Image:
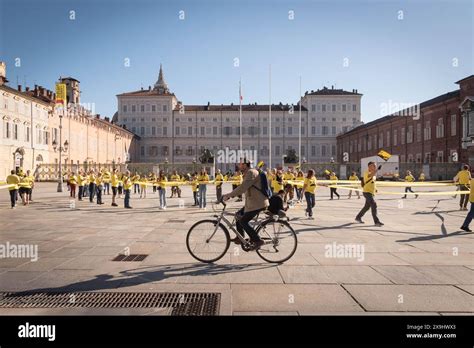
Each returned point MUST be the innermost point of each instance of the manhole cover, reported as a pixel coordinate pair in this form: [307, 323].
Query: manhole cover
[196, 303]
[132, 257]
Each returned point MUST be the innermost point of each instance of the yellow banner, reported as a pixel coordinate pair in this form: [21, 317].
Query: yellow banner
[61, 96]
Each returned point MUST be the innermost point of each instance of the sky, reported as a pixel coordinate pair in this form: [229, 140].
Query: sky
[390, 51]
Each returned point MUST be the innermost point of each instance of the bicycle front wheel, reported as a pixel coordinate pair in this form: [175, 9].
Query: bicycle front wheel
[280, 241]
[207, 241]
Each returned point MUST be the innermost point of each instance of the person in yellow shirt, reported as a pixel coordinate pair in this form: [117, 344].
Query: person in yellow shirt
[203, 179]
[175, 190]
[162, 180]
[194, 188]
[136, 183]
[277, 182]
[470, 215]
[299, 189]
[289, 189]
[219, 179]
[143, 183]
[463, 178]
[368, 188]
[333, 190]
[354, 177]
[422, 177]
[72, 184]
[309, 190]
[106, 176]
[237, 179]
[31, 179]
[409, 178]
[80, 184]
[127, 186]
[13, 180]
[92, 185]
[152, 178]
[24, 188]
[99, 184]
[114, 181]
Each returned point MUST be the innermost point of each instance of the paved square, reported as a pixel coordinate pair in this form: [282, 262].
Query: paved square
[418, 262]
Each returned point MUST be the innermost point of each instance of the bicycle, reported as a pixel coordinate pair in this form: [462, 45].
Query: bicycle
[208, 240]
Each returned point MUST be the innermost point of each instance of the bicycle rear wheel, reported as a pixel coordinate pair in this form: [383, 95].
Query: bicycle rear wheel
[207, 241]
[280, 241]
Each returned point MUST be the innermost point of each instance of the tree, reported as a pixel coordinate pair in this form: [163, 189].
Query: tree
[290, 156]
[206, 157]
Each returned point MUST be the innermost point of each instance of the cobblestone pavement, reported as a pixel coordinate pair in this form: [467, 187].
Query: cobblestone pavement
[419, 262]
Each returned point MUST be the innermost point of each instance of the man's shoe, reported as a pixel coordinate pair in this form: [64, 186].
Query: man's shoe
[379, 224]
[465, 229]
[114, 205]
[128, 207]
[359, 221]
[256, 245]
[236, 240]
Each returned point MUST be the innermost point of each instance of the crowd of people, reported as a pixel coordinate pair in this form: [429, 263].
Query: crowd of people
[289, 187]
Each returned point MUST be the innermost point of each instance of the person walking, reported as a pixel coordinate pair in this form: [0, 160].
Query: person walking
[13, 180]
[203, 179]
[409, 178]
[92, 185]
[194, 188]
[354, 177]
[80, 185]
[333, 190]
[127, 186]
[309, 190]
[99, 184]
[114, 183]
[463, 177]
[368, 187]
[299, 189]
[218, 181]
[162, 180]
[470, 215]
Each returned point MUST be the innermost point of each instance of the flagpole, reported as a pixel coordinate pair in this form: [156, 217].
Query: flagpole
[240, 112]
[270, 116]
[299, 133]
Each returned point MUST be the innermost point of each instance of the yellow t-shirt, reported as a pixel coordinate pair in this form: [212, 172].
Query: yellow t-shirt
[464, 177]
[24, 182]
[175, 177]
[422, 177]
[106, 176]
[333, 177]
[354, 178]
[194, 185]
[219, 180]
[143, 182]
[114, 180]
[203, 179]
[471, 193]
[127, 182]
[99, 180]
[73, 180]
[91, 178]
[238, 178]
[276, 185]
[369, 184]
[310, 185]
[136, 179]
[162, 182]
[410, 178]
[80, 180]
[14, 180]
[288, 176]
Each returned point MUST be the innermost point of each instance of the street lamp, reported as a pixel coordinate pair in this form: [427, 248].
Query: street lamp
[166, 165]
[62, 148]
[194, 165]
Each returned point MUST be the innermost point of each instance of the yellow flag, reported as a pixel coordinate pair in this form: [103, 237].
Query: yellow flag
[384, 155]
[260, 164]
[327, 172]
[61, 93]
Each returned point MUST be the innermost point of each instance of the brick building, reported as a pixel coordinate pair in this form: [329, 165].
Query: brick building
[430, 132]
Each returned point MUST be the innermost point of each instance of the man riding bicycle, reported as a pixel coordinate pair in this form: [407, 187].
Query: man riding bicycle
[255, 202]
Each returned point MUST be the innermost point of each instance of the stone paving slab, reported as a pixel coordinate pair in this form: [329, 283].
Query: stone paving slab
[419, 298]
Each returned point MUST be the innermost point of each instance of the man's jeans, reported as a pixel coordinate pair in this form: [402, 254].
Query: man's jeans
[369, 204]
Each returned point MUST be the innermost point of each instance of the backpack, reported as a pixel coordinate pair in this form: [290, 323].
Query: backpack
[265, 190]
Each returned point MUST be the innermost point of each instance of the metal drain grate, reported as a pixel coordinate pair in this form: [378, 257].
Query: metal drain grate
[132, 257]
[200, 303]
